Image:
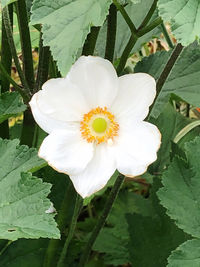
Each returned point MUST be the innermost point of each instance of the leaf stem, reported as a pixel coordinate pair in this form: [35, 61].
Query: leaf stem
[149, 27]
[15, 85]
[6, 59]
[186, 130]
[100, 223]
[126, 17]
[132, 41]
[89, 46]
[25, 39]
[111, 33]
[8, 29]
[72, 227]
[43, 65]
[166, 34]
[149, 15]
[166, 71]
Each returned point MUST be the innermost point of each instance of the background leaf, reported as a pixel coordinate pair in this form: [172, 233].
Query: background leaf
[186, 255]
[10, 104]
[184, 17]
[180, 194]
[66, 25]
[183, 80]
[23, 198]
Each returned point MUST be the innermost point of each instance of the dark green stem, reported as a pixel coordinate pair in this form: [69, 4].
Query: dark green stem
[43, 65]
[27, 135]
[100, 223]
[8, 29]
[167, 37]
[149, 27]
[89, 46]
[149, 15]
[167, 69]
[132, 41]
[25, 42]
[111, 33]
[72, 228]
[126, 17]
[6, 61]
[15, 85]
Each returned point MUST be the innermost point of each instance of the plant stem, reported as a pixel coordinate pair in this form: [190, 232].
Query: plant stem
[132, 41]
[72, 227]
[109, 203]
[15, 85]
[166, 34]
[43, 65]
[89, 46]
[166, 71]
[111, 33]
[6, 60]
[186, 130]
[150, 27]
[8, 29]
[5, 247]
[149, 15]
[126, 17]
[25, 39]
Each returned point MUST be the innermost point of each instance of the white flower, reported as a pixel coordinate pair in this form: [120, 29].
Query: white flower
[95, 123]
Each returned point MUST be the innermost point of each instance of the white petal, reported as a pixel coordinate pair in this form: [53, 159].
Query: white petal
[66, 151]
[136, 93]
[61, 100]
[136, 148]
[97, 173]
[47, 123]
[97, 79]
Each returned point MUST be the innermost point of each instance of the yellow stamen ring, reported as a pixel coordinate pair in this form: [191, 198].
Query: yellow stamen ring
[99, 126]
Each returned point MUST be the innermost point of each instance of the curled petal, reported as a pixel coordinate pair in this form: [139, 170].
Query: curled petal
[97, 173]
[97, 79]
[65, 151]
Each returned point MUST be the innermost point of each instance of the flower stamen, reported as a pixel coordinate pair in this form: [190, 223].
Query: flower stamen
[99, 126]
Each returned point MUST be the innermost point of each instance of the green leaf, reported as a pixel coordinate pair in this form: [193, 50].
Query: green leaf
[180, 194]
[184, 17]
[66, 24]
[116, 235]
[6, 2]
[137, 12]
[23, 252]
[186, 255]
[23, 198]
[152, 238]
[183, 80]
[10, 104]
[170, 123]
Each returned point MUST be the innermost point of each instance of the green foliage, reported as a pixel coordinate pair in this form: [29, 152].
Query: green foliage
[183, 80]
[10, 104]
[184, 17]
[137, 12]
[186, 255]
[180, 194]
[152, 238]
[23, 198]
[62, 20]
[170, 123]
[6, 2]
[23, 252]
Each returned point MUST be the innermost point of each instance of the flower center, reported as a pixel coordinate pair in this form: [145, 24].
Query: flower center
[99, 126]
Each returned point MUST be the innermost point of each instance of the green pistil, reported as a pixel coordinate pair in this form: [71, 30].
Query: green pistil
[99, 125]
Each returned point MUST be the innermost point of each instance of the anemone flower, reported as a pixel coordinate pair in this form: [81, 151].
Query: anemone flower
[95, 122]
